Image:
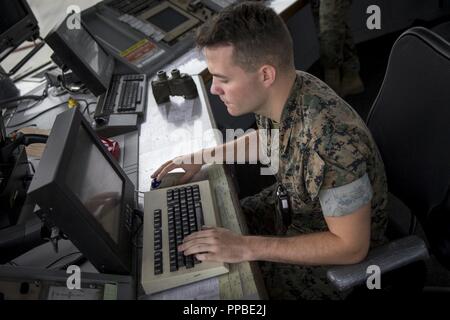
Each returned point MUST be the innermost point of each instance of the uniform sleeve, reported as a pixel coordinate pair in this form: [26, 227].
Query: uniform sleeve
[336, 170]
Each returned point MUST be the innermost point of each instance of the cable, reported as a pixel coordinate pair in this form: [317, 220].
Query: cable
[41, 113]
[60, 93]
[31, 97]
[27, 108]
[37, 115]
[28, 97]
[87, 108]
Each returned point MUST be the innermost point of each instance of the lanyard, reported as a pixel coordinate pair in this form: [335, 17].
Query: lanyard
[283, 205]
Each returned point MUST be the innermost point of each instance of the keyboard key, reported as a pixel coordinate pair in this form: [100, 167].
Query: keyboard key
[189, 262]
[158, 262]
[199, 214]
[180, 260]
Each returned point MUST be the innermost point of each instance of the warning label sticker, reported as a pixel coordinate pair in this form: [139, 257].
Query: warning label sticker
[140, 52]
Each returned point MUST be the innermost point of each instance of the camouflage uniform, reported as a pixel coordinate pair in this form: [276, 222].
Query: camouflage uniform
[323, 144]
[337, 49]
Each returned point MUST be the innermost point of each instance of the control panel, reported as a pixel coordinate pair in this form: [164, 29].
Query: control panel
[145, 35]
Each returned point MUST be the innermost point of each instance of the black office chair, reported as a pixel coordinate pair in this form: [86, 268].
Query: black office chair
[410, 122]
[443, 30]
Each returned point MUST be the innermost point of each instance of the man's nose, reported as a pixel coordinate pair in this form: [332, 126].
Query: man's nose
[216, 90]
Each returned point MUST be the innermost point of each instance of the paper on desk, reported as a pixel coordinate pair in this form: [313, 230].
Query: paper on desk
[207, 289]
[180, 109]
[63, 293]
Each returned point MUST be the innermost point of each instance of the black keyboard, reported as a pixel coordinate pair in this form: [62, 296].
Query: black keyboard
[185, 215]
[132, 7]
[126, 94]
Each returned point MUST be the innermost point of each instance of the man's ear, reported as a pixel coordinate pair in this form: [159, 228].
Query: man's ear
[268, 75]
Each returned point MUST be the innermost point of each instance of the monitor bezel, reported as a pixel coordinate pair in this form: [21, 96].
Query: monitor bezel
[25, 29]
[63, 50]
[62, 206]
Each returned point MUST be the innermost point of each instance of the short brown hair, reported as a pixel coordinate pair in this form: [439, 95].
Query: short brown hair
[259, 36]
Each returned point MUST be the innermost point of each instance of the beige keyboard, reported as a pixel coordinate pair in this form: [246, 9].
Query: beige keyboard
[170, 214]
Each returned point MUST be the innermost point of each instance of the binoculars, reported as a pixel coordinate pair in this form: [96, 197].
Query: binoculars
[179, 84]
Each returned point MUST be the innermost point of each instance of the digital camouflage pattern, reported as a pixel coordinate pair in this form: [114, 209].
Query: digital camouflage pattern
[323, 144]
[337, 48]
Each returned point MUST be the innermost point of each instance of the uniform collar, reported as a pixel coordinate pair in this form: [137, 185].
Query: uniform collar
[291, 105]
[289, 115]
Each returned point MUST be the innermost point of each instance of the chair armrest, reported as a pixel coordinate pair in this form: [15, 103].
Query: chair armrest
[390, 256]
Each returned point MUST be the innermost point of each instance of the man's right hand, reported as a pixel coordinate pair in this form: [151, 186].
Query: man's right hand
[185, 162]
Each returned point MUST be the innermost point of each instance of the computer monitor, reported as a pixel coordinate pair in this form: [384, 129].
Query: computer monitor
[82, 190]
[76, 48]
[17, 24]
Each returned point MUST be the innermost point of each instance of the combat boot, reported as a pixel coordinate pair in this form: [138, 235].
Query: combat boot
[351, 83]
[332, 77]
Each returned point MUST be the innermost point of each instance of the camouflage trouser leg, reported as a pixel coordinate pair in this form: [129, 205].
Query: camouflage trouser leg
[337, 49]
[284, 281]
[294, 282]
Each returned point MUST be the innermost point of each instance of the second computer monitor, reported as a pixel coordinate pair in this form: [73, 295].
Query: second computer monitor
[17, 24]
[76, 48]
[83, 191]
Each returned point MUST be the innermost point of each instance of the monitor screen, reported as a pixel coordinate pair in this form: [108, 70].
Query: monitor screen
[167, 19]
[79, 50]
[99, 187]
[82, 190]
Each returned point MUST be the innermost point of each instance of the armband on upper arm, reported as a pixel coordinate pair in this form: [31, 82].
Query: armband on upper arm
[346, 199]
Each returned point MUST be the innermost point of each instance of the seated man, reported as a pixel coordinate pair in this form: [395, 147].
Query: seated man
[331, 182]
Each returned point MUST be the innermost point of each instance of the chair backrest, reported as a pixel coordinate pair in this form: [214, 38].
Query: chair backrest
[410, 122]
[443, 30]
